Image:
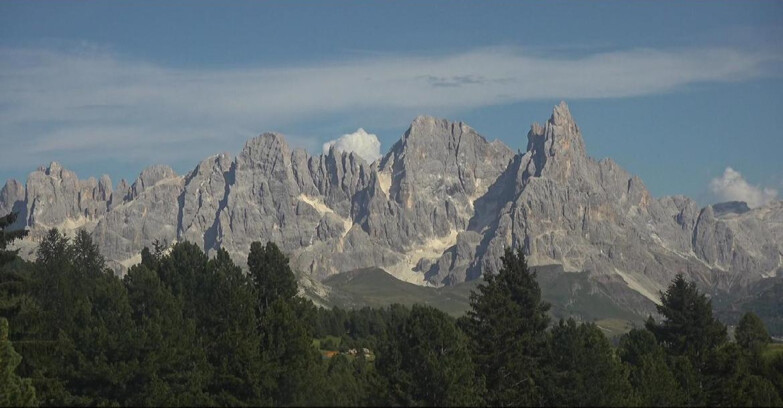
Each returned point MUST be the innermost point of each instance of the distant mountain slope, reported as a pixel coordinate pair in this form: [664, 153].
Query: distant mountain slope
[375, 287]
[439, 208]
[764, 298]
[571, 294]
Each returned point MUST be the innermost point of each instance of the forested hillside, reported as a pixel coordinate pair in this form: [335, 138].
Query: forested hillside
[183, 329]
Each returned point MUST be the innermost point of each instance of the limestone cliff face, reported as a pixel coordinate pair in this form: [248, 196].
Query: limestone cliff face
[439, 208]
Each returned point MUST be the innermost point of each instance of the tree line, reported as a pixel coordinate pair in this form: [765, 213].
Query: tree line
[181, 328]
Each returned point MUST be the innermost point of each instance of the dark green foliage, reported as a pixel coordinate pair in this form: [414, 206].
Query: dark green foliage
[172, 366]
[14, 391]
[507, 327]
[181, 329]
[227, 325]
[709, 370]
[291, 364]
[6, 237]
[270, 273]
[585, 369]
[349, 383]
[731, 381]
[183, 271]
[774, 372]
[689, 328]
[651, 378]
[426, 361]
[751, 333]
[89, 308]
[11, 281]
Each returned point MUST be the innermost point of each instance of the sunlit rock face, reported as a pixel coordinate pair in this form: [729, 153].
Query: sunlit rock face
[438, 209]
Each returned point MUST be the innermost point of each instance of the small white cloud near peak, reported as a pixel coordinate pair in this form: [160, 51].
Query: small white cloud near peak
[731, 186]
[360, 142]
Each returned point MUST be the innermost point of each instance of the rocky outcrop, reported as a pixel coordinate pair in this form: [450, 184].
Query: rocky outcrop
[55, 198]
[149, 214]
[438, 209]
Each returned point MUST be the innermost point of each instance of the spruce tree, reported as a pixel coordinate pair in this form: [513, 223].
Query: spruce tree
[732, 378]
[14, 391]
[584, 368]
[688, 327]
[507, 326]
[172, 368]
[227, 326]
[690, 335]
[12, 281]
[291, 371]
[7, 236]
[270, 273]
[653, 382]
[426, 362]
[751, 334]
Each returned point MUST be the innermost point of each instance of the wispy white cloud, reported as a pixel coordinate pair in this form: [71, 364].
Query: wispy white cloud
[366, 145]
[731, 186]
[94, 102]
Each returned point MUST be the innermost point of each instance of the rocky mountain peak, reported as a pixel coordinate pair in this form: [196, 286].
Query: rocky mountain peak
[56, 170]
[429, 126]
[437, 158]
[151, 176]
[441, 206]
[265, 152]
[557, 148]
[53, 168]
[13, 192]
[561, 115]
[105, 187]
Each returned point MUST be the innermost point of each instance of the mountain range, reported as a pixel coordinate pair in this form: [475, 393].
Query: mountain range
[438, 209]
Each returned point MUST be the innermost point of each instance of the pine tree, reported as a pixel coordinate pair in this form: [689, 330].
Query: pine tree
[172, 365]
[11, 281]
[292, 370]
[690, 335]
[653, 382]
[426, 361]
[586, 371]
[270, 273]
[348, 382]
[6, 237]
[751, 334]
[730, 380]
[227, 325]
[689, 328]
[14, 391]
[507, 326]
[182, 270]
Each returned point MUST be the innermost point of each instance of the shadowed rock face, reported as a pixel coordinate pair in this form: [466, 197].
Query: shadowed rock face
[438, 208]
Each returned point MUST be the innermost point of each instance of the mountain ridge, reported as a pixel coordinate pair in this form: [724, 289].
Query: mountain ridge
[437, 209]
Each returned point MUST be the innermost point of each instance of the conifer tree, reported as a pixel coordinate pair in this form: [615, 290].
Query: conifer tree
[11, 281]
[7, 236]
[751, 334]
[653, 382]
[172, 365]
[688, 327]
[270, 273]
[291, 366]
[426, 361]
[507, 326]
[227, 325]
[690, 335]
[14, 391]
[584, 368]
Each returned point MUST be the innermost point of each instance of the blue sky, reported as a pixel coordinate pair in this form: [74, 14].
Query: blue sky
[674, 92]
